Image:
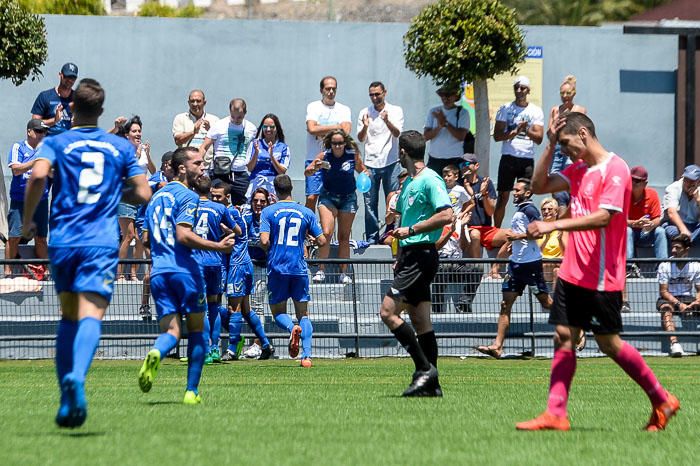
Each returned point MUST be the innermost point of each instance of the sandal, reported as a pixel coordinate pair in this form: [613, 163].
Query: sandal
[490, 351]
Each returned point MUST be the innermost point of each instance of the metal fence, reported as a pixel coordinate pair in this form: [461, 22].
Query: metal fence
[466, 305]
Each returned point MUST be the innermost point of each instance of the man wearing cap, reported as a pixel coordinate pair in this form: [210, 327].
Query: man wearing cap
[644, 217]
[481, 229]
[681, 205]
[445, 128]
[21, 160]
[519, 125]
[52, 106]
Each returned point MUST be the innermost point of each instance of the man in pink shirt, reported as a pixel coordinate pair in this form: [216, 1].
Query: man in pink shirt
[588, 294]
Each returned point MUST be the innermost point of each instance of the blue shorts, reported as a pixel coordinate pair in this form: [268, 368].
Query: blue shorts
[213, 279]
[239, 281]
[41, 218]
[178, 293]
[84, 270]
[522, 275]
[313, 182]
[339, 202]
[126, 211]
[282, 287]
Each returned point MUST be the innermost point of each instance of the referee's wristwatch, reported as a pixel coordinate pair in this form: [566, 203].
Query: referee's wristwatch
[411, 231]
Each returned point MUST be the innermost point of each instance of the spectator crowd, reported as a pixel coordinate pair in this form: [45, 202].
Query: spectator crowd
[242, 159]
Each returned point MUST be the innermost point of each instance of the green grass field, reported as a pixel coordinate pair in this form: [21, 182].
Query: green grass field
[345, 412]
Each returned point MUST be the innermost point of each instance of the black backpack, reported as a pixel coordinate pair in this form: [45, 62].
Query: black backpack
[469, 139]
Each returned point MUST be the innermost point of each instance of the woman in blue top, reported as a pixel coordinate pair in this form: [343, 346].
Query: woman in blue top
[268, 155]
[338, 198]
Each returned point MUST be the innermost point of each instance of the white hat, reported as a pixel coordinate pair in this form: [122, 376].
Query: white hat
[522, 80]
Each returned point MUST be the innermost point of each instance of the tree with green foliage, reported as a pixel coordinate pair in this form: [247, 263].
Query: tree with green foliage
[579, 12]
[453, 41]
[65, 7]
[23, 47]
[154, 8]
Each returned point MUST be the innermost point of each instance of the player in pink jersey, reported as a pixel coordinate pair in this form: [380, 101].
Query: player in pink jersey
[588, 294]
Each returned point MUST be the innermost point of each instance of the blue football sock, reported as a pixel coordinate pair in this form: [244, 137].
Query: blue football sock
[214, 317]
[254, 322]
[234, 330]
[284, 321]
[165, 344]
[224, 316]
[206, 331]
[64, 347]
[307, 331]
[84, 346]
[197, 350]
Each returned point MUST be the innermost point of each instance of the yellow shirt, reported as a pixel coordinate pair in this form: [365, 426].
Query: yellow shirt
[551, 249]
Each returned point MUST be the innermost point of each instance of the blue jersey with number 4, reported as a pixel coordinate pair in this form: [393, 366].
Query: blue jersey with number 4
[239, 253]
[90, 167]
[210, 216]
[174, 204]
[287, 223]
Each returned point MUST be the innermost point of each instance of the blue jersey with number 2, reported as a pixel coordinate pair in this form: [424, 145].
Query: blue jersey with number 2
[288, 222]
[174, 204]
[90, 167]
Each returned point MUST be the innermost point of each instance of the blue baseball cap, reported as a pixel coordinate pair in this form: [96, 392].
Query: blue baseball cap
[69, 70]
[692, 172]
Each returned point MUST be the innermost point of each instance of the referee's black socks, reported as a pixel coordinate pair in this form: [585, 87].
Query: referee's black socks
[428, 344]
[404, 333]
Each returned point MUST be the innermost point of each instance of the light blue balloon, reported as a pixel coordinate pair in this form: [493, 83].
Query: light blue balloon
[363, 183]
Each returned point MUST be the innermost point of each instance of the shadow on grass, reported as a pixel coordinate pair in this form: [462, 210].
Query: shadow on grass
[83, 434]
[162, 402]
[64, 433]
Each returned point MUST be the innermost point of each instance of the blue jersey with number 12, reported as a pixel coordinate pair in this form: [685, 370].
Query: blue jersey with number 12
[287, 223]
[174, 204]
[90, 167]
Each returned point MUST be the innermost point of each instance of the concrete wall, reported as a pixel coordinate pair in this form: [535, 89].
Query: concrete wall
[148, 65]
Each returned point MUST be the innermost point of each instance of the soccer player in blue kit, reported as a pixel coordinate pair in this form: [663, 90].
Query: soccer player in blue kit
[239, 286]
[283, 227]
[176, 280]
[90, 169]
[210, 216]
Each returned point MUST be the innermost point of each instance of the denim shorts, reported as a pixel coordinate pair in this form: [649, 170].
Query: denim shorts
[126, 211]
[340, 202]
[314, 182]
[41, 218]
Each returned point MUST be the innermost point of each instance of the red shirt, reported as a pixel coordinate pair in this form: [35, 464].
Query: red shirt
[649, 205]
[596, 259]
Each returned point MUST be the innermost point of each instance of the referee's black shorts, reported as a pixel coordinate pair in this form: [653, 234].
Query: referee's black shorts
[416, 267]
[575, 306]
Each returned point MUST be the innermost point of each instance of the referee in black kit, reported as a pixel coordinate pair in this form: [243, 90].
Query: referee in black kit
[425, 209]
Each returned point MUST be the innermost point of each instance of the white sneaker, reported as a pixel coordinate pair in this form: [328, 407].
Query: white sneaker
[345, 279]
[253, 352]
[676, 350]
[320, 277]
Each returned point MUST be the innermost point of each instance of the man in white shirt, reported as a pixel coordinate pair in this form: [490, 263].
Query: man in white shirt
[378, 127]
[446, 126]
[190, 128]
[679, 289]
[682, 206]
[519, 125]
[231, 137]
[322, 117]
